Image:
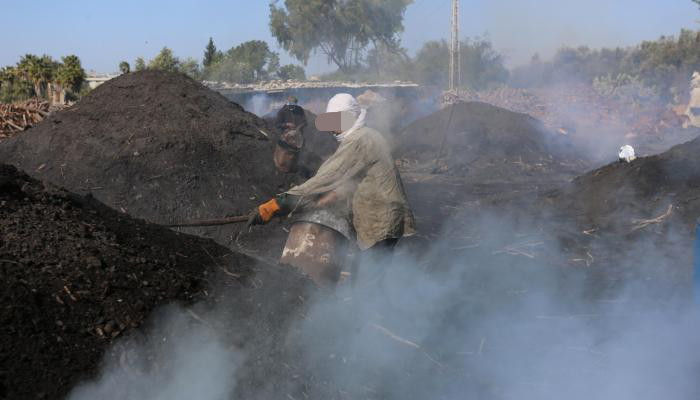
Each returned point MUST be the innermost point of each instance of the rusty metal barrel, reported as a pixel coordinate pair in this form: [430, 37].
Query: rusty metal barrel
[318, 246]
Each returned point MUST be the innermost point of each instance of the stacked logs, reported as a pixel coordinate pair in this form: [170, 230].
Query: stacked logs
[18, 117]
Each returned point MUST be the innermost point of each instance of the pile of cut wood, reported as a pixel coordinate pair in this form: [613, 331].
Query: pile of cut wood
[17, 117]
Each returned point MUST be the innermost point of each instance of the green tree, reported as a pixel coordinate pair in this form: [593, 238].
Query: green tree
[16, 84]
[291, 71]
[25, 64]
[139, 64]
[70, 73]
[341, 29]
[231, 70]
[8, 77]
[389, 62]
[210, 54]
[256, 55]
[481, 66]
[165, 60]
[124, 67]
[248, 62]
[190, 67]
[39, 70]
[431, 64]
[661, 66]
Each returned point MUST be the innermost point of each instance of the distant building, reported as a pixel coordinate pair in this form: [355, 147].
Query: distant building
[94, 79]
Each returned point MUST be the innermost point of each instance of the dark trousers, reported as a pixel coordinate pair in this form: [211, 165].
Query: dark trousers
[380, 253]
[373, 262]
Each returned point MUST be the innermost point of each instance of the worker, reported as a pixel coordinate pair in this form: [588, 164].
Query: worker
[290, 116]
[290, 122]
[359, 180]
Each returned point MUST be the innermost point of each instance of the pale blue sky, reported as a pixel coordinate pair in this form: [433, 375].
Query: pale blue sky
[104, 32]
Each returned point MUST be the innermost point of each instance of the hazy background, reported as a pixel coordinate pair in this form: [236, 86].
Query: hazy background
[103, 33]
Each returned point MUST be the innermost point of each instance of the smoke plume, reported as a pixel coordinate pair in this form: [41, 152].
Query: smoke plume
[181, 358]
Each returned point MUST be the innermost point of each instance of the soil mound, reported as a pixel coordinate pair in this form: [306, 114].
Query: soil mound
[622, 195]
[158, 146]
[76, 275]
[485, 142]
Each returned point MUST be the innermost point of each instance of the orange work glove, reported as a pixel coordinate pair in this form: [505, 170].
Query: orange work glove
[268, 210]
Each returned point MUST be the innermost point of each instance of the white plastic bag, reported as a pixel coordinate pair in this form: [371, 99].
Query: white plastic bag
[626, 153]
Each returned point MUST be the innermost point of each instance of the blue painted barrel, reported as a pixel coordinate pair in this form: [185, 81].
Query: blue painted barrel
[696, 272]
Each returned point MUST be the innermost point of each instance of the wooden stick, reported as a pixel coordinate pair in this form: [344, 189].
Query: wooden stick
[394, 336]
[211, 222]
[645, 222]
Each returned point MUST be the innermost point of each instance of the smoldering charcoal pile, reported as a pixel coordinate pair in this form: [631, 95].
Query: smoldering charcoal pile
[487, 142]
[76, 276]
[665, 185]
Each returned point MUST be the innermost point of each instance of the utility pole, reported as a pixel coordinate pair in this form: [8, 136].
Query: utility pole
[455, 64]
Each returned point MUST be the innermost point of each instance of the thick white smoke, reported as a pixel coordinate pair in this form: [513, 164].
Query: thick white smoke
[495, 310]
[492, 315]
[181, 358]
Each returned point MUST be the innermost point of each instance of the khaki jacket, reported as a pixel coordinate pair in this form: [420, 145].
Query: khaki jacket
[363, 174]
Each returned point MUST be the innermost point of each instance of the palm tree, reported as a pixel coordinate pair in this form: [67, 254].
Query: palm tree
[70, 74]
[46, 69]
[6, 76]
[25, 64]
[38, 70]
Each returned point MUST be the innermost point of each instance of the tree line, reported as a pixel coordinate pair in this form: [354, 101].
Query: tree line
[659, 67]
[35, 76]
[248, 62]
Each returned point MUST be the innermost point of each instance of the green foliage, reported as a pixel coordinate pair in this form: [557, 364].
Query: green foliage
[70, 74]
[662, 65]
[431, 65]
[13, 87]
[231, 70]
[165, 60]
[32, 76]
[210, 54]
[248, 62]
[625, 88]
[124, 67]
[481, 65]
[389, 62]
[38, 70]
[190, 67]
[139, 64]
[291, 71]
[84, 90]
[341, 29]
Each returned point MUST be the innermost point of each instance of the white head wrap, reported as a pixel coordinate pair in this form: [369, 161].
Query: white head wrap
[346, 102]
